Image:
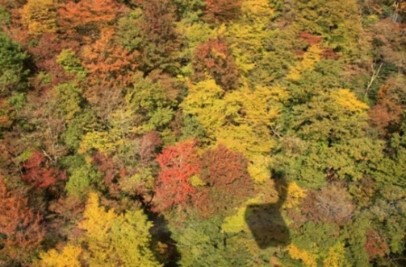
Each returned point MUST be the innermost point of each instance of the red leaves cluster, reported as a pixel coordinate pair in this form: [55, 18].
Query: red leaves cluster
[214, 58]
[36, 171]
[375, 245]
[312, 39]
[20, 226]
[178, 163]
[228, 183]
[222, 10]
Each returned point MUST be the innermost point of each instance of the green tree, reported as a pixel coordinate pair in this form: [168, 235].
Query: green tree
[13, 72]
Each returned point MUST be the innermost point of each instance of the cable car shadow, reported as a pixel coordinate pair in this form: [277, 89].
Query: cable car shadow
[266, 222]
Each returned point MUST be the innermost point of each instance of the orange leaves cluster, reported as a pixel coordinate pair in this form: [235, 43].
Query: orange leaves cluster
[109, 63]
[75, 13]
[20, 226]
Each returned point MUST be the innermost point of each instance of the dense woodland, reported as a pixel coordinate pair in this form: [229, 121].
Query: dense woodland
[202, 133]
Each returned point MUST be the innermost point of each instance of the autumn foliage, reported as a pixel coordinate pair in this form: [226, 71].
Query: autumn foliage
[37, 172]
[40, 16]
[149, 144]
[79, 13]
[159, 35]
[178, 164]
[222, 10]
[214, 58]
[20, 226]
[227, 183]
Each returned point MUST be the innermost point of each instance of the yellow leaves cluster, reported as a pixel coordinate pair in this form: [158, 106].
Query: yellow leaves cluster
[237, 222]
[260, 8]
[109, 239]
[248, 36]
[240, 119]
[294, 195]
[68, 257]
[204, 101]
[348, 101]
[310, 58]
[336, 256]
[308, 259]
[39, 16]
[103, 141]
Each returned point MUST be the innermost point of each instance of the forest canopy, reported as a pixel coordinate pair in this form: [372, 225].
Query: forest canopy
[202, 133]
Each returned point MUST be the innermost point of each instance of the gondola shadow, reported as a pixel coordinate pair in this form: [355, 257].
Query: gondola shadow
[266, 222]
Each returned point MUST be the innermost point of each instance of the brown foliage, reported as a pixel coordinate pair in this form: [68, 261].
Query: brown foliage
[20, 225]
[332, 204]
[45, 52]
[309, 38]
[214, 58]
[111, 170]
[149, 144]
[222, 10]
[227, 182]
[160, 39]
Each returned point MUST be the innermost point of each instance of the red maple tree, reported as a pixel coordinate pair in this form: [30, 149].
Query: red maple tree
[178, 164]
[228, 183]
[36, 171]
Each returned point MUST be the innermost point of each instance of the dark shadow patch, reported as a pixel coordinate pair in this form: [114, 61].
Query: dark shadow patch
[266, 222]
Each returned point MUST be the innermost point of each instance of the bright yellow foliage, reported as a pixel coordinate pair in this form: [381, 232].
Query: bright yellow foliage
[204, 101]
[248, 35]
[259, 8]
[102, 141]
[336, 256]
[109, 240]
[298, 254]
[116, 240]
[237, 222]
[240, 120]
[310, 58]
[294, 195]
[348, 101]
[68, 257]
[39, 16]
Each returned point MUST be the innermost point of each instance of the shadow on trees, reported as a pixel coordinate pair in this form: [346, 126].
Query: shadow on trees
[168, 254]
[266, 222]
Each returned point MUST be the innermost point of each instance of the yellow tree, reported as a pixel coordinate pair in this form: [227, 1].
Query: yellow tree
[39, 16]
[109, 239]
[241, 120]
